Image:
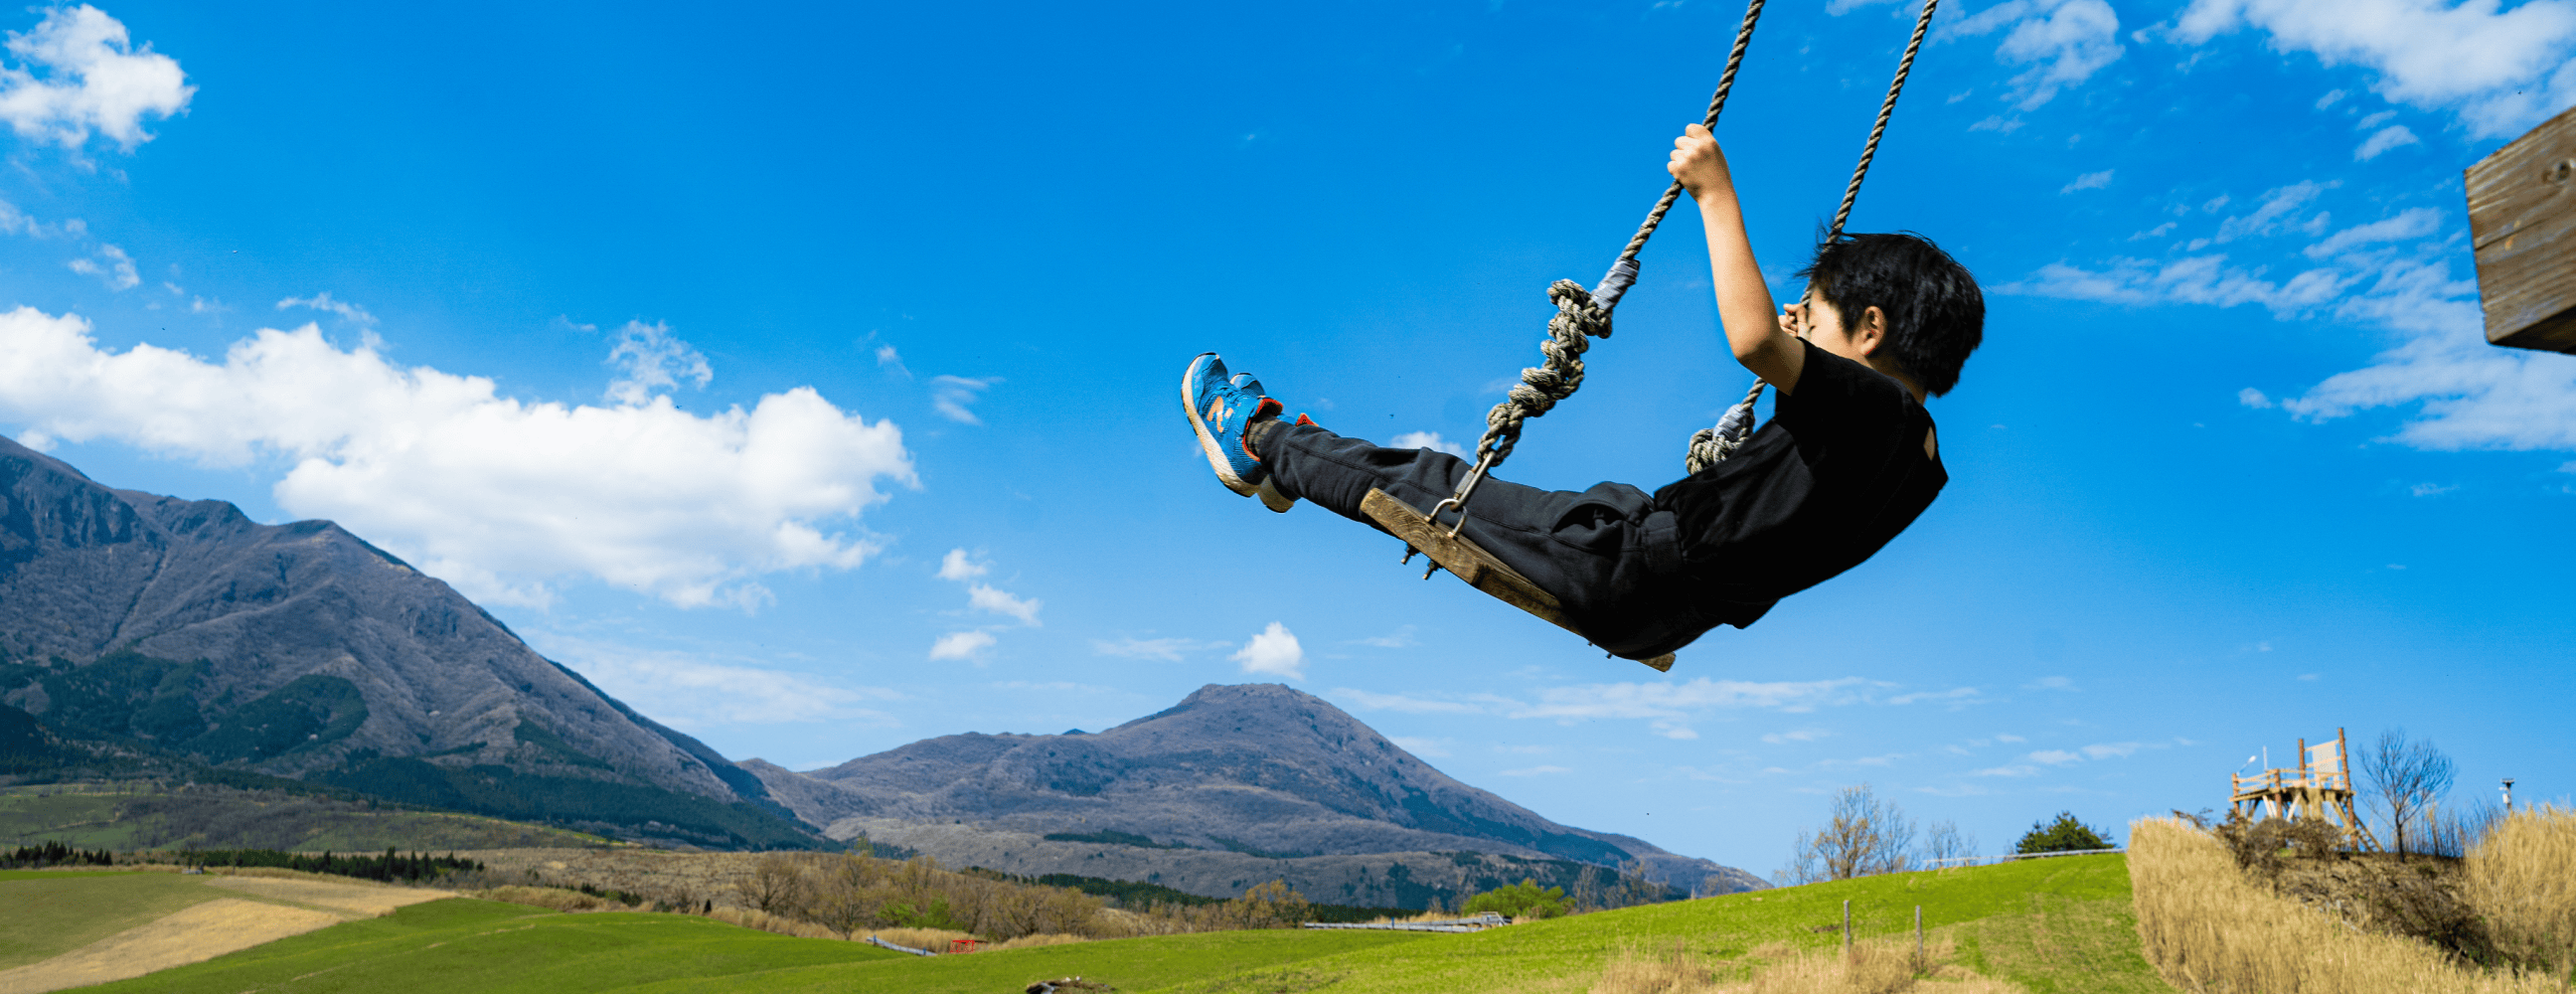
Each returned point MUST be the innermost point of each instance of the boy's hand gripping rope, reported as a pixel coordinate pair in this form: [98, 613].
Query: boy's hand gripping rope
[1582, 315]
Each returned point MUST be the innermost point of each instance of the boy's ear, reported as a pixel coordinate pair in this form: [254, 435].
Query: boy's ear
[1872, 332]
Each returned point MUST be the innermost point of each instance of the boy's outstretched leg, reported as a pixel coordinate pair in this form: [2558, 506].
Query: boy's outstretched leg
[1607, 554]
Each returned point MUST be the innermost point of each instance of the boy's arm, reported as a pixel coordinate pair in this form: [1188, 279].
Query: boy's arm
[1754, 325]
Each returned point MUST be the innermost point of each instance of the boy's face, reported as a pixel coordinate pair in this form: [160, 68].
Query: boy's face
[1818, 320]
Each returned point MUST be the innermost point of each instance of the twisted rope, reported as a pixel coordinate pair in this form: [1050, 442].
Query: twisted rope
[1584, 314]
[1710, 446]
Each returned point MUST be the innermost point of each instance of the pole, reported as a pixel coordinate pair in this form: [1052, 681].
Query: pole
[1847, 928]
[1918, 937]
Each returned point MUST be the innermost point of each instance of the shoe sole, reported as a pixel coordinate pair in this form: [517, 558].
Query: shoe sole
[1208, 444]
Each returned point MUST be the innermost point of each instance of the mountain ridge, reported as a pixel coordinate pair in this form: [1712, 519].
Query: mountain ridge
[157, 628]
[1259, 769]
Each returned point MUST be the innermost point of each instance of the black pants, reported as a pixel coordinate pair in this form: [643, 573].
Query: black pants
[1610, 557]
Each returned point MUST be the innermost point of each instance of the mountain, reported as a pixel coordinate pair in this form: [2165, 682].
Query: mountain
[153, 634]
[1260, 770]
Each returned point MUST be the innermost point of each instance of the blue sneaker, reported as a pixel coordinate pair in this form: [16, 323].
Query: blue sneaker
[1220, 408]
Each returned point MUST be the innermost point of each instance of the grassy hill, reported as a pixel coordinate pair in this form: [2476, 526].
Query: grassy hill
[138, 816]
[2058, 925]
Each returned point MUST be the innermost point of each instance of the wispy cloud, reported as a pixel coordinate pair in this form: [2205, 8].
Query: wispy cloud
[649, 359]
[1371, 701]
[689, 692]
[2064, 42]
[962, 645]
[323, 302]
[109, 265]
[2088, 181]
[2501, 70]
[952, 395]
[1167, 650]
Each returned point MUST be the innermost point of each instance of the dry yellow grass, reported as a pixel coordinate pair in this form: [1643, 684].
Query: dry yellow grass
[934, 939]
[2206, 928]
[2522, 879]
[1033, 941]
[357, 897]
[200, 932]
[1778, 968]
[766, 922]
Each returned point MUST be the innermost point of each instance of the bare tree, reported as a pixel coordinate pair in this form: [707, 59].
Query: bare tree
[1864, 836]
[2406, 779]
[1943, 841]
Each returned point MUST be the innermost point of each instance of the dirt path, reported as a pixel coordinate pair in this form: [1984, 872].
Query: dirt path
[201, 932]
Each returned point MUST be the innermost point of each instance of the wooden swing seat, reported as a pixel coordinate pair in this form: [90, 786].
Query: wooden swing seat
[1474, 565]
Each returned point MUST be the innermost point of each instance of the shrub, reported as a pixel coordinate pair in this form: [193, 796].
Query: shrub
[2066, 834]
[1521, 900]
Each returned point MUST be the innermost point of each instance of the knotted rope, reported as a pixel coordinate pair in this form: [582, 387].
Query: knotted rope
[1710, 446]
[1582, 315]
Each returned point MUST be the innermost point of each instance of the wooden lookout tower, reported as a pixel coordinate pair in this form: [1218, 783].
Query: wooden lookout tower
[2522, 226]
[2319, 787]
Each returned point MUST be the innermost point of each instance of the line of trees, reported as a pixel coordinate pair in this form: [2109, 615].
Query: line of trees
[1866, 835]
[389, 867]
[854, 893]
[54, 854]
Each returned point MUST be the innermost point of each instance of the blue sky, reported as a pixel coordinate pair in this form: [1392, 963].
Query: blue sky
[804, 376]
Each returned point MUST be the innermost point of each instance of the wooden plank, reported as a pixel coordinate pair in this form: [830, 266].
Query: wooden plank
[2522, 226]
[1474, 565]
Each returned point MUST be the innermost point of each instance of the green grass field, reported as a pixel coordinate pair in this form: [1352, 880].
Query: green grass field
[2051, 926]
[45, 913]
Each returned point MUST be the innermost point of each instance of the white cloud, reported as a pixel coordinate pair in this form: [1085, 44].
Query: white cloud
[2465, 393]
[495, 495]
[1167, 650]
[2050, 683]
[1273, 652]
[1399, 702]
[2054, 757]
[957, 566]
[2063, 41]
[2392, 136]
[2414, 223]
[985, 598]
[2113, 750]
[1670, 701]
[1955, 696]
[2278, 207]
[92, 79]
[1426, 440]
[1419, 747]
[322, 302]
[2503, 70]
[2431, 489]
[961, 645]
[1537, 771]
[2329, 99]
[888, 358]
[1401, 638]
[950, 395]
[1838, 8]
[689, 693]
[112, 267]
[2009, 738]
[2202, 279]
[2089, 181]
[2013, 770]
[1800, 735]
[2253, 398]
[652, 360]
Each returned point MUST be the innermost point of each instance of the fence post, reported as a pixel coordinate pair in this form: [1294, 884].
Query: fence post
[1918, 937]
[1847, 928]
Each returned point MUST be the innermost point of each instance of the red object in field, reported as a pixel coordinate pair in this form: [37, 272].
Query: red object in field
[956, 946]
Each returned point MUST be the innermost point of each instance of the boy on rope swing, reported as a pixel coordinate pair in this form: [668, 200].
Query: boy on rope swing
[1848, 460]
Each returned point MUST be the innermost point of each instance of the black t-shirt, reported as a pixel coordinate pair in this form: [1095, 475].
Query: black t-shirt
[1838, 471]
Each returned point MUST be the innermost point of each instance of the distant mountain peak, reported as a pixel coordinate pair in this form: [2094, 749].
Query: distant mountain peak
[1254, 768]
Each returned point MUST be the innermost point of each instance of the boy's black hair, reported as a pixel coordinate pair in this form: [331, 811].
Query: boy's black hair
[1935, 313]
